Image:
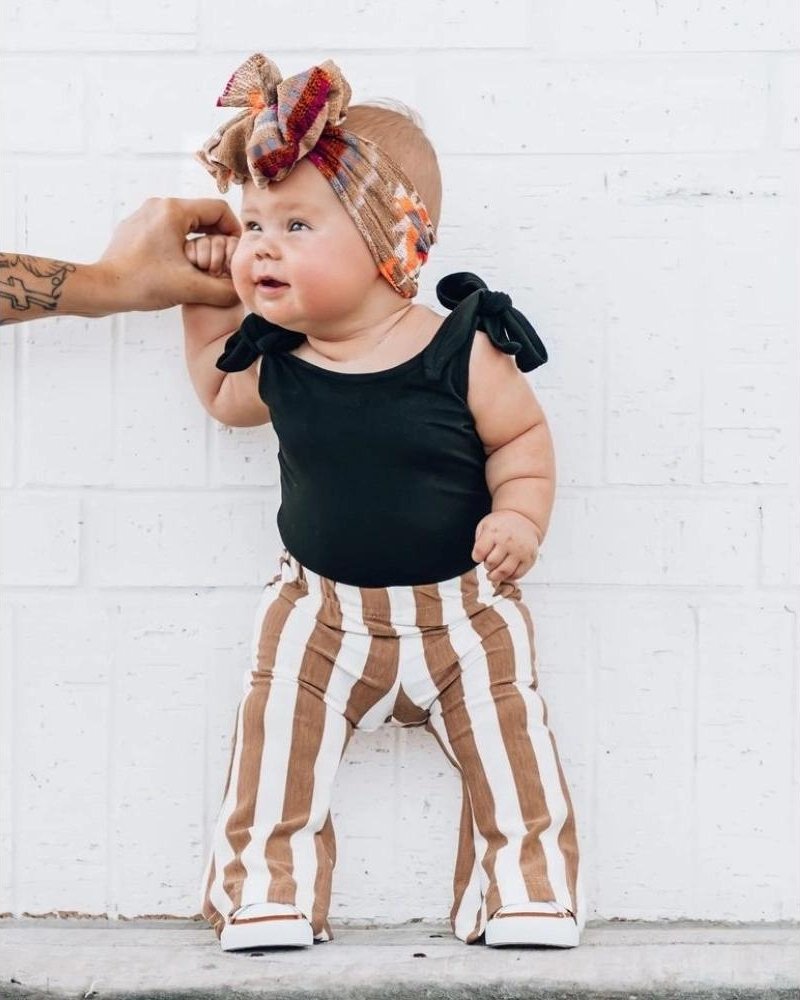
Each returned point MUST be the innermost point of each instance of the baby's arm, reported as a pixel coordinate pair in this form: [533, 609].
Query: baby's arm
[230, 397]
[520, 467]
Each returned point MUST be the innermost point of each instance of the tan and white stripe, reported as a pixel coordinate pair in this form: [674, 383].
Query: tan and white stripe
[517, 827]
[236, 821]
[330, 657]
[526, 825]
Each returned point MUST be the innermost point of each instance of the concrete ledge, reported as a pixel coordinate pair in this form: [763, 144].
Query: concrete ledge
[181, 960]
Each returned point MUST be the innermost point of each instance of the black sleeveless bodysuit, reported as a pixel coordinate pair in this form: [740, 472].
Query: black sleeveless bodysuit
[383, 473]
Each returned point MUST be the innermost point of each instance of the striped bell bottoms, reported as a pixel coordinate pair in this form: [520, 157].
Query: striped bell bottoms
[327, 658]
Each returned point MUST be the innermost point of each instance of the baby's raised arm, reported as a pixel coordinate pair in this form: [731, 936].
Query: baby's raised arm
[230, 397]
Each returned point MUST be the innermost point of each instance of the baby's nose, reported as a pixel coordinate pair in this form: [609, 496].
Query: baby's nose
[267, 250]
[265, 245]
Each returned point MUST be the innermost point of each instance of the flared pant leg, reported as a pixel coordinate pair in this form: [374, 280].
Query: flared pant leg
[517, 835]
[317, 675]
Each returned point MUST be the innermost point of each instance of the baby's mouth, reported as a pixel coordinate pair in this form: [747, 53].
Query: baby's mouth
[272, 283]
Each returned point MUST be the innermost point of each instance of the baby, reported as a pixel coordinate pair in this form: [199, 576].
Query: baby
[417, 480]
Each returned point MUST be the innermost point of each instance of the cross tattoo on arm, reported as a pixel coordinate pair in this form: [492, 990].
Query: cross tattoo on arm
[30, 284]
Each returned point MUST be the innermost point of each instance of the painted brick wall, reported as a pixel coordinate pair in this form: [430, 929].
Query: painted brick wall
[629, 173]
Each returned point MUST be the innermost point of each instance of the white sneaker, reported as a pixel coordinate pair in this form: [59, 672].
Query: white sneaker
[533, 923]
[266, 925]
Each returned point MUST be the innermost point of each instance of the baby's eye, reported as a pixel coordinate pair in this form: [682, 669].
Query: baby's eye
[252, 227]
[296, 222]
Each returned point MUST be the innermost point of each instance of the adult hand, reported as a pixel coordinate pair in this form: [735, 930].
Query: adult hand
[145, 266]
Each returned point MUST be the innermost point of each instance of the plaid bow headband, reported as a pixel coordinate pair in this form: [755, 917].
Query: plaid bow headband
[286, 120]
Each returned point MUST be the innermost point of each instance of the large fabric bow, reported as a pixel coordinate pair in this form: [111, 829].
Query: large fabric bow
[285, 121]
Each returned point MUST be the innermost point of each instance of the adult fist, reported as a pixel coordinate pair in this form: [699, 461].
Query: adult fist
[145, 267]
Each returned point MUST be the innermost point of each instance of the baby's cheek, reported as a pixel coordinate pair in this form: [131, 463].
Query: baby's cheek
[240, 275]
[315, 286]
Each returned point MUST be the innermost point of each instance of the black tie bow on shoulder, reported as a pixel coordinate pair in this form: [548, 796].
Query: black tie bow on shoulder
[256, 336]
[505, 326]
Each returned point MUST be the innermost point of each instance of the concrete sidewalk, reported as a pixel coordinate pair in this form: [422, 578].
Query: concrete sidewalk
[181, 959]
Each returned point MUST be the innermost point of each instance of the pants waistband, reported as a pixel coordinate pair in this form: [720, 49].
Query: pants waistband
[414, 606]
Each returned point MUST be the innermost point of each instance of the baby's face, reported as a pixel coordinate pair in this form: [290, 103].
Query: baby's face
[301, 261]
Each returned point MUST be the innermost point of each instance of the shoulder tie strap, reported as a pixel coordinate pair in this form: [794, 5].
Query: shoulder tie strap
[493, 312]
[256, 336]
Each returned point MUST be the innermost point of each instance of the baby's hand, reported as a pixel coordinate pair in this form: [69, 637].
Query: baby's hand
[212, 253]
[507, 543]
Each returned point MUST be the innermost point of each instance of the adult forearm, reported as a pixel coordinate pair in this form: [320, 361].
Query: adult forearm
[35, 287]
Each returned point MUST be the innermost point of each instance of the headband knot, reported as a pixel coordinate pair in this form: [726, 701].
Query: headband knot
[284, 121]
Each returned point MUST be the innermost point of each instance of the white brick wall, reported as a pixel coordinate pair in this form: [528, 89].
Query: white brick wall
[629, 173]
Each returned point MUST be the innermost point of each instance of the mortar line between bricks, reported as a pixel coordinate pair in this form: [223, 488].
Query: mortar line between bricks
[16, 776]
[717, 594]
[715, 591]
[751, 152]
[25, 157]
[117, 332]
[111, 909]
[605, 391]
[19, 388]
[772, 116]
[796, 744]
[695, 744]
[594, 762]
[668, 492]
[210, 453]
[12, 48]
[796, 656]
